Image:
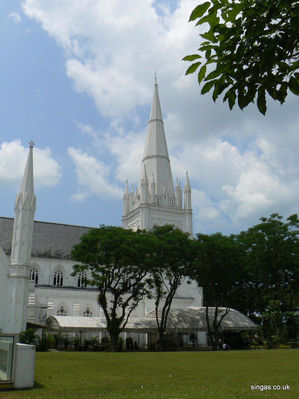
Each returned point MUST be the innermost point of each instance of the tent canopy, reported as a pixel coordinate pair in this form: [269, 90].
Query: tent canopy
[185, 320]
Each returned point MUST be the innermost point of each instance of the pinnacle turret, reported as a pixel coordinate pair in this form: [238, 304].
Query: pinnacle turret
[187, 193]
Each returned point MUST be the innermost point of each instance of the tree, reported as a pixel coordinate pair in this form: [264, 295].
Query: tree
[171, 263]
[118, 261]
[250, 49]
[218, 269]
[272, 249]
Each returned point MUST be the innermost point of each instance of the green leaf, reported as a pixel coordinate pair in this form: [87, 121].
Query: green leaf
[294, 85]
[231, 99]
[199, 11]
[272, 92]
[282, 92]
[192, 68]
[203, 20]
[261, 100]
[209, 36]
[213, 74]
[202, 73]
[191, 57]
[215, 92]
[207, 87]
[234, 11]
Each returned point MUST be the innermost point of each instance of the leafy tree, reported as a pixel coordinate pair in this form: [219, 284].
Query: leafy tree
[218, 268]
[172, 259]
[272, 249]
[29, 337]
[118, 261]
[273, 325]
[250, 49]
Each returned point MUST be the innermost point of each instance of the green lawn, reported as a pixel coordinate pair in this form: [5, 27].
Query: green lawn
[170, 375]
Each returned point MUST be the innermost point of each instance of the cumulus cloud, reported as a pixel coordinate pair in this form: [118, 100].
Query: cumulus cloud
[13, 156]
[93, 175]
[114, 47]
[241, 164]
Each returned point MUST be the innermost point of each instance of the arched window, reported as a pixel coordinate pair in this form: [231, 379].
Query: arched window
[34, 275]
[87, 312]
[82, 280]
[58, 278]
[61, 311]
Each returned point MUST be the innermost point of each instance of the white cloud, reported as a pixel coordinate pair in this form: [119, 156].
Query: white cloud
[13, 156]
[242, 165]
[15, 17]
[234, 188]
[80, 197]
[92, 175]
[113, 47]
[128, 151]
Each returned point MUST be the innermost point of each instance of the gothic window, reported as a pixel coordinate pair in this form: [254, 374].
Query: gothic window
[58, 278]
[87, 312]
[82, 280]
[61, 311]
[34, 275]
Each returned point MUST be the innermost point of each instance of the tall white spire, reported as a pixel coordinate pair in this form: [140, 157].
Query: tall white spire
[157, 203]
[156, 158]
[24, 216]
[21, 251]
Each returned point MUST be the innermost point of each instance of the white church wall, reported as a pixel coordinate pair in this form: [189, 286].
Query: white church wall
[4, 265]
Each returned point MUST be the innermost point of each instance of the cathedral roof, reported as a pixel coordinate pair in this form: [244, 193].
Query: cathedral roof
[50, 240]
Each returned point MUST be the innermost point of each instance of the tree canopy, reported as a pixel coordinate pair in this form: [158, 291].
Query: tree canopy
[171, 263]
[118, 262]
[218, 267]
[272, 250]
[249, 50]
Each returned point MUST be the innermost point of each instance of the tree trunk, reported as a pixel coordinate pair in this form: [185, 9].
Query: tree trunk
[114, 335]
[162, 339]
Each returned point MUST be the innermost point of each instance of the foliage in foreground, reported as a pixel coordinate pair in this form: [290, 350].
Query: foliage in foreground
[250, 49]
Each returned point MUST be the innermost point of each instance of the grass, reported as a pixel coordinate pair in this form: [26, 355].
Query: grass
[169, 375]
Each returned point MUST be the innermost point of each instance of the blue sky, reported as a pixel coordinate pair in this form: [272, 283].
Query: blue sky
[76, 76]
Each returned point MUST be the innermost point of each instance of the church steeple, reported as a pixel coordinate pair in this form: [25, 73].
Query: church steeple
[156, 158]
[21, 251]
[24, 216]
[157, 202]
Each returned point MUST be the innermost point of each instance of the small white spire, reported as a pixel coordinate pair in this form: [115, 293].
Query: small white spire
[27, 182]
[127, 188]
[187, 187]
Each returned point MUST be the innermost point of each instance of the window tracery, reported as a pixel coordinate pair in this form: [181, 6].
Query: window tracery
[58, 278]
[33, 274]
[87, 312]
[61, 311]
[82, 280]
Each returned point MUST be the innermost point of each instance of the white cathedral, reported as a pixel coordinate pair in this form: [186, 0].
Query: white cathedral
[41, 250]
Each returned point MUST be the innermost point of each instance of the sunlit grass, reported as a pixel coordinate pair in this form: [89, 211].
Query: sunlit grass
[171, 375]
